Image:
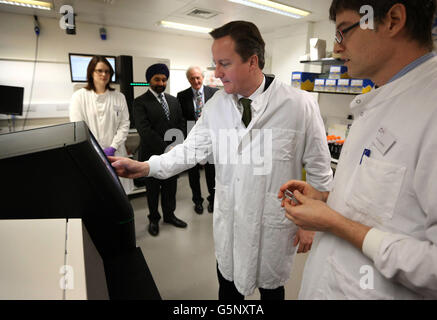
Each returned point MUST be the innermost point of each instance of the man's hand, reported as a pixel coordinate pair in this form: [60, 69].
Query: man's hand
[303, 188]
[304, 239]
[315, 215]
[310, 214]
[129, 168]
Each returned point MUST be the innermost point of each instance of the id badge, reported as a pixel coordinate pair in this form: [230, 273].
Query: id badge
[384, 140]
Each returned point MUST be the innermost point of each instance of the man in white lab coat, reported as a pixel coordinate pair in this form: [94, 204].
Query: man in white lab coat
[257, 143]
[380, 220]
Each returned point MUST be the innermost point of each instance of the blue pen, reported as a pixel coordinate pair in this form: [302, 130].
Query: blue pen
[366, 153]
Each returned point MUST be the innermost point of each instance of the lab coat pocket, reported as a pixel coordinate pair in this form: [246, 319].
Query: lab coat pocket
[375, 188]
[274, 214]
[221, 199]
[276, 244]
[283, 144]
[223, 224]
[118, 110]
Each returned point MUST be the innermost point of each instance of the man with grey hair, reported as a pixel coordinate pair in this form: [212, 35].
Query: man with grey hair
[192, 101]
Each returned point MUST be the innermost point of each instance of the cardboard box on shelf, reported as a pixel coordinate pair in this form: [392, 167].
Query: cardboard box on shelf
[338, 72]
[331, 85]
[319, 85]
[343, 85]
[317, 48]
[303, 80]
[361, 86]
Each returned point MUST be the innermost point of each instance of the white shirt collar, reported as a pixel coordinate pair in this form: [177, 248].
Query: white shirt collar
[257, 92]
[194, 91]
[155, 94]
[252, 97]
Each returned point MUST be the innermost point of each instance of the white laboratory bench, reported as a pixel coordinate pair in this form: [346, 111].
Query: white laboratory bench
[49, 259]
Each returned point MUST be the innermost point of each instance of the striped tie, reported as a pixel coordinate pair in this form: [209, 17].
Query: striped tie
[164, 106]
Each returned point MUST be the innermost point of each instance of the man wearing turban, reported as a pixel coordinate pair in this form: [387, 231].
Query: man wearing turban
[155, 114]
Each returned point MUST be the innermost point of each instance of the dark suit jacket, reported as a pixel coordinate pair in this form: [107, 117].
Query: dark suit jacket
[152, 124]
[186, 100]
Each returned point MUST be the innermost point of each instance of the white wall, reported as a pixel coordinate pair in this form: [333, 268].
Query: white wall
[52, 84]
[19, 42]
[285, 46]
[54, 89]
[325, 30]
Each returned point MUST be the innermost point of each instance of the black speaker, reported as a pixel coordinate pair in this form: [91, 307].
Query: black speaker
[124, 75]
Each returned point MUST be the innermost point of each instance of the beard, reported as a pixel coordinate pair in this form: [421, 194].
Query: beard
[158, 89]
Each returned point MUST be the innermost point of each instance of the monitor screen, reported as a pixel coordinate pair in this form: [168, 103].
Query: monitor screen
[11, 101]
[79, 64]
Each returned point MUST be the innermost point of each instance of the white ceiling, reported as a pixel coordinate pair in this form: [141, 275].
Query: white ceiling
[144, 14]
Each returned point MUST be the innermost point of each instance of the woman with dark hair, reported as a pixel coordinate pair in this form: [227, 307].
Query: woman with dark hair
[104, 110]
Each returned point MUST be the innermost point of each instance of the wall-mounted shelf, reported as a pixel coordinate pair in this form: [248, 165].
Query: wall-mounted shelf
[323, 62]
[343, 93]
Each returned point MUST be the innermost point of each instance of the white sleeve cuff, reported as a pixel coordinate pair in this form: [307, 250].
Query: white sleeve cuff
[154, 166]
[372, 242]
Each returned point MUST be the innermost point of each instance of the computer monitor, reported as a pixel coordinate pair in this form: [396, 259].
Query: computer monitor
[79, 64]
[11, 100]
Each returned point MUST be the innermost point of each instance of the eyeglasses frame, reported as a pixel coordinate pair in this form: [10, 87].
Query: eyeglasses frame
[100, 71]
[341, 33]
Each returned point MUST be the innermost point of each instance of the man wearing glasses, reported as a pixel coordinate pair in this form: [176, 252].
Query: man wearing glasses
[379, 223]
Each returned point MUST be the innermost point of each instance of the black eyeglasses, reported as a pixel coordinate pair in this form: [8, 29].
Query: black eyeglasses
[100, 71]
[339, 35]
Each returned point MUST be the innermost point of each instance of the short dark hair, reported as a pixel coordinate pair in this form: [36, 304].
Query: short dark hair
[90, 70]
[248, 40]
[420, 15]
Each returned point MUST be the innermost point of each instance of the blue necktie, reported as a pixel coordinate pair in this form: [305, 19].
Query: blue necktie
[164, 106]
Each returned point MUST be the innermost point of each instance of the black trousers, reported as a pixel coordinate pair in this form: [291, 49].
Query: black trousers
[194, 179]
[167, 188]
[228, 291]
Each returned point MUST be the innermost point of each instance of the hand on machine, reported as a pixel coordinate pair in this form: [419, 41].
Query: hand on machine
[128, 168]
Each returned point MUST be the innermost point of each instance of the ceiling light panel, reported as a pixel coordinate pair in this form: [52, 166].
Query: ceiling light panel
[274, 7]
[185, 27]
[29, 4]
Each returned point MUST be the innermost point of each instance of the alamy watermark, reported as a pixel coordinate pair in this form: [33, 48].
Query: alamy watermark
[368, 18]
[67, 19]
[67, 280]
[229, 147]
[367, 281]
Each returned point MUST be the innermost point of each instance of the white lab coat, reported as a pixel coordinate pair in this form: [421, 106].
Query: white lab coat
[395, 192]
[107, 116]
[253, 238]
